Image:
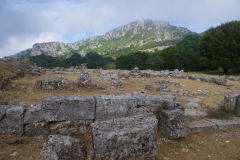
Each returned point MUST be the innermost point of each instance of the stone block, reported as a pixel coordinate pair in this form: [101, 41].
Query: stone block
[33, 114]
[151, 103]
[11, 120]
[237, 105]
[226, 124]
[63, 108]
[76, 127]
[58, 147]
[132, 137]
[112, 107]
[230, 100]
[201, 126]
[173, 123]
[33, 129]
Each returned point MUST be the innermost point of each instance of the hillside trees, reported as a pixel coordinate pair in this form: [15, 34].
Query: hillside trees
[167, 56]
[220, 47]
[186, 54]
[129, 61]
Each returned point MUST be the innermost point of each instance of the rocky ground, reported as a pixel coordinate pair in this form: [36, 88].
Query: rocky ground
[220, 144]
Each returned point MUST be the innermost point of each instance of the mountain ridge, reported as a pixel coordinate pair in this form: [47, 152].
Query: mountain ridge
[137, 35]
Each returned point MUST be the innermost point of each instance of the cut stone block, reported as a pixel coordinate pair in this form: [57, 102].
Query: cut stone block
[12, 120]
[33, 129]
[173, 123]
[132, 137]
[237, 105]
[112, 107]
[58, 147]
[62, 108]
[226, 124]
[150, 102]
[33, 114]
[3, 111]
[201, 126]
[230, 100]
[76, 127]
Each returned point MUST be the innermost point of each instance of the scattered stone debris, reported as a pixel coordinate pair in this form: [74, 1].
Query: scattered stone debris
[83, 80]
[53, 83]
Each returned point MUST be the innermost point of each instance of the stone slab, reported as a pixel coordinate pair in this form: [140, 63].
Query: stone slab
[226, 124]
[201, 126]
[132, 137]
[67, 108]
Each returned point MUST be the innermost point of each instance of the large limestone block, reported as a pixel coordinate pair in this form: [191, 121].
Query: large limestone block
[126, 138]
[230, 100]
[33, 114]
[58, 147]
[112, 107]
[63, 108]
[11, 119]
[173, 123]
[33, 129]
[76, 127]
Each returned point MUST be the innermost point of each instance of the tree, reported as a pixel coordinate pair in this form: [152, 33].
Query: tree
[187, 53]
[94, 56]
[129, 61]
[220, 47]
[91, 65]
[168, 55]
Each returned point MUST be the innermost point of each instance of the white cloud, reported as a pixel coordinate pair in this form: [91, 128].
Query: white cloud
[26, 22]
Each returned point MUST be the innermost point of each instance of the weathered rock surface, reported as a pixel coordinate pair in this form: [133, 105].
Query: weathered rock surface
[84, 80]
[115, 81]
[58, 147]
[201, 126]
[76, 127]
[151, 103]
[11, 120]
[173, 123]
[53, 83]
[230, 100]
[126, 138]
[150, 87]
[237, 105]
[33, 114]
[226, 124]
[33, 129]
[63, 108]
[112, 107]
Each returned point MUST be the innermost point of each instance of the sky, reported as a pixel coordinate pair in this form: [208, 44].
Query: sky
[26, 22]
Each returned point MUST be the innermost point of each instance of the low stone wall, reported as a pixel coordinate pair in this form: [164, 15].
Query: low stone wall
[121, 126]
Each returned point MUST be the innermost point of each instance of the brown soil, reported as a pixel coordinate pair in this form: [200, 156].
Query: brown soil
[208, 145]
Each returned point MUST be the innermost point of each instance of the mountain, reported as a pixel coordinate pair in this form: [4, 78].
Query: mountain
[138, 35]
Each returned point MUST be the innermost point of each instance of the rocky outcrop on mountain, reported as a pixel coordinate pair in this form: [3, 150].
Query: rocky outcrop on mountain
[131, 36]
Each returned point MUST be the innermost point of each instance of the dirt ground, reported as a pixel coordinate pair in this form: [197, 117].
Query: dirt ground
[218, 145]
